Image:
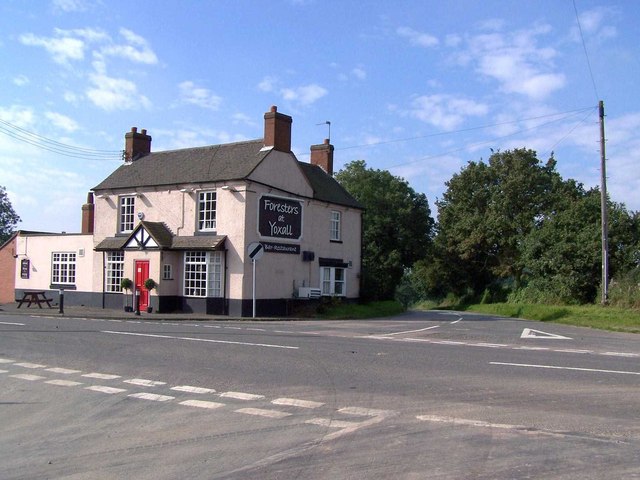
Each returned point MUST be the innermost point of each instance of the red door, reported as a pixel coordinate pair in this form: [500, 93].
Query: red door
[142, 273]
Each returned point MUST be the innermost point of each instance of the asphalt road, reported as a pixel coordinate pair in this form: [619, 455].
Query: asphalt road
[425, 395]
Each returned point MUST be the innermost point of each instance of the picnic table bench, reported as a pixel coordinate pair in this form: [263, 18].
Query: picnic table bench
[38, 297]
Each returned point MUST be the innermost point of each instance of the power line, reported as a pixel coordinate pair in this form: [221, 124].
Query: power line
[586, 54]
[54, 146]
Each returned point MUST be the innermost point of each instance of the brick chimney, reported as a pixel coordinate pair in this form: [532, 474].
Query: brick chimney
[322, 156]
[88, 215]
[136, 144]
[277, 130]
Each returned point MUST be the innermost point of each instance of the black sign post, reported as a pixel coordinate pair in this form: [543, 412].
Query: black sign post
[255, 251]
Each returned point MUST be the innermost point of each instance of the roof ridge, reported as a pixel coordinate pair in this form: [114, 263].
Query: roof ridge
[210, 147]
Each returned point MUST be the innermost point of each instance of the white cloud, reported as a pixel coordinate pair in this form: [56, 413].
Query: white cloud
[17, 115]
[202, 97]
[62, 121]
[304, 95]
[20, 80]
[416, 38]
[268, 84]
[136, 49]
[62, 50]
[516, 61]
[446, 112]
[70, 5]
[110, 93]
[593, 24]
[359, 73]
[71, 97]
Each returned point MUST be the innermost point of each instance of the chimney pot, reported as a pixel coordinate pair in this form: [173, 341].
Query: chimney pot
[274, 109]
[134, 129]
[88, 215]
[144, 131]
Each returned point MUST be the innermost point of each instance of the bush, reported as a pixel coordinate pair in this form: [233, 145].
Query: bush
[624, 290]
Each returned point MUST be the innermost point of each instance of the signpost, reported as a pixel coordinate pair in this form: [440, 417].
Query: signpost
[255, 251]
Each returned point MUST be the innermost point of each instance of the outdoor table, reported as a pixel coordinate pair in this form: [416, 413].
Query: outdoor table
[35, 297]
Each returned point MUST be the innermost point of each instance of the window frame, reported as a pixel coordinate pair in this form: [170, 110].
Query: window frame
[335, 226]
[329, 280]
[206, 216]
[63, 268]
[203, 274]
[167, 271]
[126, 213]
[114, 271]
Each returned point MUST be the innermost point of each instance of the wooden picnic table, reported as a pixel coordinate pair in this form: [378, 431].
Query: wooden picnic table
[38, 297]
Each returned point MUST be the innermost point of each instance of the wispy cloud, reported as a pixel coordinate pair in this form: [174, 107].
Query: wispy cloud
[418, 39]
[305, 94]
[69, 5]
[202, 97]
[135, 49]
[446, 112]
[20, 80]
[109, 93]
[62, 121]
[62, 49]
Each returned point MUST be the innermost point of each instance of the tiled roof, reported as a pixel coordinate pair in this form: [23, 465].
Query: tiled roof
[218, 163]
[232, 161]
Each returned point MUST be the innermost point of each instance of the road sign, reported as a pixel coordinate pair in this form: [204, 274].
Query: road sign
[255, 250]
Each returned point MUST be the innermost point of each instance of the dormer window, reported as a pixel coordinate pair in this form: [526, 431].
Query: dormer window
[207, 211]
[127, 218]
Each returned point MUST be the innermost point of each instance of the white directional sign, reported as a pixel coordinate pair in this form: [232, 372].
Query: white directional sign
[530, 333]
[255, 250]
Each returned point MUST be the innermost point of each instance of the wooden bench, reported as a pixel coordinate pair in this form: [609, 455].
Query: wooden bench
[34, 297]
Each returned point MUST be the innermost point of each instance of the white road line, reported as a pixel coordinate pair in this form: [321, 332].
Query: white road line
[212, 326]
[488, 345]
[456, 321]
[4, 371]
[531, 348]
[101, 376]
[241, 396]
[293, 402]
[26, 376]
[202, 404]
[143, 382]
[365, 412]
[12, 323]
[64, 371]
[209, 340]
[466, 422]
[6, 360]
[555, 367]
[29, 365]
[151, 396]
[572, 350]
[263, 413]
[256, 329]
[620, 354]
[190, 389]
[63, 383]
[331, 423]
[410, 331]
[448, 342]
[115, 321]
[104, 389]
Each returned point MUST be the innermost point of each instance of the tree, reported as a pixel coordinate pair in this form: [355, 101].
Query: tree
[486, 213]
[397, 230]
[8, 217]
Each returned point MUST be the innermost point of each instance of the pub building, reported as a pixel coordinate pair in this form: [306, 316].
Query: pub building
[186, 218]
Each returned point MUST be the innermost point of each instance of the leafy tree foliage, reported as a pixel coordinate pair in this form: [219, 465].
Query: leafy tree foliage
[397, 229]
[486, 213]
[8, 217]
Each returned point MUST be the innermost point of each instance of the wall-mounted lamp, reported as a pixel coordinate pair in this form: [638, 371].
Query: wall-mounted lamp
[186, 190]
[101, 195]
[139, 194]
[229, 188]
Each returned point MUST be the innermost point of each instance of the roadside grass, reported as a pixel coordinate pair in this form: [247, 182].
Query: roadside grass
[349, 311]
[593, 316]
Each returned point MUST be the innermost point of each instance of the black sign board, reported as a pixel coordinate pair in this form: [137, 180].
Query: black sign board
[281, 248]
[280, 217]
[24, 268]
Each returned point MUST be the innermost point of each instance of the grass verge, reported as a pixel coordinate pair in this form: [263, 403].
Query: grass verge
[358, 311]
[593, 316]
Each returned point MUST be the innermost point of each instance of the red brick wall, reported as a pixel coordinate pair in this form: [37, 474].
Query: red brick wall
[8, 271]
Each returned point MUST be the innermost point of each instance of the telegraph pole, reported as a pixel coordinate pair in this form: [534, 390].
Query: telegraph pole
[604, 214]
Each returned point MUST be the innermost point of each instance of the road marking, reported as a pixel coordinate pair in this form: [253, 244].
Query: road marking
[26, 376]
[488, 345]
[4, 371]
[555, 367]
[263, 413]
[6, 360]
[531, 348]
[202, 404]
[29, 365]
[63, 383]
[621, 354]
[104, 389]
[456, 321]
[365, 412]
[64, 371]
[466, 422]
[190, 389]
[201, 340]
[115, 321]
[292, 402]
[572, 350]
[448, 342]
[255, 329]
[144, 383]
[530, 333]
[241, 396]
[151, 396]
[410, 331]
[12, 323]
[101, 376]
[331, 423]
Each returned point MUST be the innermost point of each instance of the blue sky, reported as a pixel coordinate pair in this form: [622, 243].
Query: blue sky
[416, 87]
